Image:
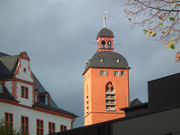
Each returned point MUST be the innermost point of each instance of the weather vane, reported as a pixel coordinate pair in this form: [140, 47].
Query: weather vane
[104, 18]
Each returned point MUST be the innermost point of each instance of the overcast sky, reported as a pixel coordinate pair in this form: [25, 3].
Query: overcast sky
[56, 34]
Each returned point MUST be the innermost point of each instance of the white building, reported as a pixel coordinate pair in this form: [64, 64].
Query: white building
[24, 103]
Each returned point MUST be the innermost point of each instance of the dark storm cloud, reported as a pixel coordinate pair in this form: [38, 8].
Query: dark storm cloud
[57, 34]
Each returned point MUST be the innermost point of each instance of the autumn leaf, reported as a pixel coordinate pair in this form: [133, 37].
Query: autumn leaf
[170, 45]
[161, 25]
[165, 43]
[160, 17]
[153, 34]
[145, 31]
[171, 18]
[147, 35]
[150, 31]
[129, 19]
[173, 46]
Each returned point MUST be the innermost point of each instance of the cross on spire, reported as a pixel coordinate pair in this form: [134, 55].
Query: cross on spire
[104, 19]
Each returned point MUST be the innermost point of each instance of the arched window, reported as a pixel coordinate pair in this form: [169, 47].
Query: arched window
[109, 44]
[110, 97]
[103, 44]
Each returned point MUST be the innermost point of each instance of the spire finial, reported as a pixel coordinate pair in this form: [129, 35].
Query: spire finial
[104, 18]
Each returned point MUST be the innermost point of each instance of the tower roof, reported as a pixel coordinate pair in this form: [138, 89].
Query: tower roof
[105, 32]
[105, 59]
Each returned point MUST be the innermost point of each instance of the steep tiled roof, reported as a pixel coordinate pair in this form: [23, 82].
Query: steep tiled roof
[7, 95]
[106, 59]
[8, 66]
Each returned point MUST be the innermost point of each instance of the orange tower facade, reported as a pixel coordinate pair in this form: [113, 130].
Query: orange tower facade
[106, 82]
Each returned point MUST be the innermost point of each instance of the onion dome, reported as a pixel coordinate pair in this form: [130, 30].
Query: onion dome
[105, 32]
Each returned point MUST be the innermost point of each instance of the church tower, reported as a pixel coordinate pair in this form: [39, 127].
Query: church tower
[106, 82]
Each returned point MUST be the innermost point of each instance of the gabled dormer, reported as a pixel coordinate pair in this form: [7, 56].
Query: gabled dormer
[23, 82]
[44, 98]
[23, 70]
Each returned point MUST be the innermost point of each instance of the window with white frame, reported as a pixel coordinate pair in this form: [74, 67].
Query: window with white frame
[36, 98]
[115, 73]
[101, 73]
[121, 73]
[46, 100]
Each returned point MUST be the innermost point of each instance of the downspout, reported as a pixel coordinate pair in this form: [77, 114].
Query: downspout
[73, 119]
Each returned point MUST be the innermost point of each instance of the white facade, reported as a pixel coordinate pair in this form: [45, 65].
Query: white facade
[23, 106]
[33, 115]
[26, 76]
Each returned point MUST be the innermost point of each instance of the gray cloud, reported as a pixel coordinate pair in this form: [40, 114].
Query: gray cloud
[56, 35]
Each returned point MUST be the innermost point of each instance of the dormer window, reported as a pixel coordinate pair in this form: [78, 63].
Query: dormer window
[101, 59]
[36, 96]
[1, 89]
[117, 60]
[47, 99]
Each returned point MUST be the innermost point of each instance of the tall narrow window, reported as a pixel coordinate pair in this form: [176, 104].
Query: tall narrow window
[46, 100]
[25, 124]
[109, 44]
[121, 73]
[24, 92]
[36, 98]
[51, 128]
[101, 73]
[110, 97]
[9, 120]
[103, 44]
[106, 73]
[1, 88]
[115, 73]
[40, 127]
[63, 127]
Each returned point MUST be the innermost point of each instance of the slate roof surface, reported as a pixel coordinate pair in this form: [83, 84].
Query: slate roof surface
[109, 60]
[55, 109]
[7, 95]
[105, 32]
[135, 102]
[8, 66]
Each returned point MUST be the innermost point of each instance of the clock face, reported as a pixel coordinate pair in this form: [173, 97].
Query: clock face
[109, 44]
